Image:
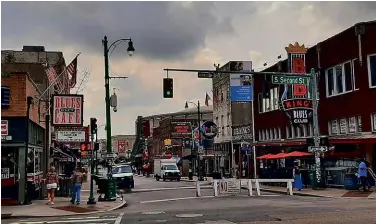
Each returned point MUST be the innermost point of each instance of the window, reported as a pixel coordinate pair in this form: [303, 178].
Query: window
[310, 129]
[271, 134]
[373, 120]
[340, 79]
[260, 104]
[293, 134]
[279, 133]
[263, 135]
[288, 133]
[267, 134]
[298, 131]
[305, 131]
[275, 133]
[259, 135]
[372, 69]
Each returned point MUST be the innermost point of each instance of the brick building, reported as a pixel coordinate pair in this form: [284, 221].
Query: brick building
[15, 124]
[346, 64]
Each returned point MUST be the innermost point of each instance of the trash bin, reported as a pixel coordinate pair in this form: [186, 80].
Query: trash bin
[313, 179]
[351, 181]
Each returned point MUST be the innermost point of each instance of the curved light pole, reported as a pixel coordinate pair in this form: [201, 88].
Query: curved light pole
[111, 194]
[200, 177]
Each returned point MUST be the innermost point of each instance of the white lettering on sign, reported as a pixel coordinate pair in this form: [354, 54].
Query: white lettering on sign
[70, 136]
[4, 173]
[300, 116]
[229, 186]
[4, 127]
[67, 110]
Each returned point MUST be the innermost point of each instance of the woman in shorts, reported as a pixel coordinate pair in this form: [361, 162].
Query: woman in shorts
[51, 181]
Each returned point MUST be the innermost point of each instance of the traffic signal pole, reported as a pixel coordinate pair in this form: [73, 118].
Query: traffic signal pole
[314, 90]
[91, 200]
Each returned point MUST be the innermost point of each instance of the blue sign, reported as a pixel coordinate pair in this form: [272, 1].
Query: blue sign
[5, 96]
[241, 93]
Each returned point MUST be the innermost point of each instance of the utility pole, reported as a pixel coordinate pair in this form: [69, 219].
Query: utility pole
[91, 200]
[199, 162]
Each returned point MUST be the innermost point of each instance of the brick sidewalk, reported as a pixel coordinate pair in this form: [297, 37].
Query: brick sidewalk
[62, 206]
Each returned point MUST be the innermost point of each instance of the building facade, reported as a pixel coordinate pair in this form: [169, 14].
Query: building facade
[346, 67]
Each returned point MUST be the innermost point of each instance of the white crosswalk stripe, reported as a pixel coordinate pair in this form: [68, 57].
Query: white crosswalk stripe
[82, 220]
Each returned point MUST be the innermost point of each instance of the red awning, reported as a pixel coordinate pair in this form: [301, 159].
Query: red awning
[278, 156]
[298, 154]
[264, 156]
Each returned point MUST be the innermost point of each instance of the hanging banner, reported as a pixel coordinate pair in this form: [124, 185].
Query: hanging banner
[67, 110]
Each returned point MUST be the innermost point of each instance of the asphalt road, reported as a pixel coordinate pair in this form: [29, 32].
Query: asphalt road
[179, 206]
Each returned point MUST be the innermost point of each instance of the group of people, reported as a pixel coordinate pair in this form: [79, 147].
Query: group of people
[52, 184]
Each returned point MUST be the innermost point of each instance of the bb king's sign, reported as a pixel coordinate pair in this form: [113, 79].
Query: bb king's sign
[295, 99]
[67, 110]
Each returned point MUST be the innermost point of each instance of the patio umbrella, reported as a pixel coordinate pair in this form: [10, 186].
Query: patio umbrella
[264, 156]
[278, 156]
[298, 154]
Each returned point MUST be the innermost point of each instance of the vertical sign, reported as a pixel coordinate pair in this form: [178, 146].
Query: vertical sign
[67, 110]
[121, 147]
[241, 84]
[4, 127]
[295, 98]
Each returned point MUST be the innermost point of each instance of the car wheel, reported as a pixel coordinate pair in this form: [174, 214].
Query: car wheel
[157, 178]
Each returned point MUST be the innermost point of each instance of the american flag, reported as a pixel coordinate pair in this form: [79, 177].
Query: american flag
[207, 98]
[72, 71]
[52, 76]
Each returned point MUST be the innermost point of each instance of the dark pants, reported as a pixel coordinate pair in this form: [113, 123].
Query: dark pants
[363, 180]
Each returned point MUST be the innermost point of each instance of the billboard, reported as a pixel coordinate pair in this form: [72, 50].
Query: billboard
[121, 147]
[67, 110]
[241, 89]
[181, 129]
[71, 136]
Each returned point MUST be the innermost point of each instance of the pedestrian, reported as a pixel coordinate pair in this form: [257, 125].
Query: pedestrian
[362, 174]
[52, 181]
[77, 179]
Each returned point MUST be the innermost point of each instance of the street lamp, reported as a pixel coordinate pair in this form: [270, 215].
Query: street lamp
[111, 194]
[200, 177]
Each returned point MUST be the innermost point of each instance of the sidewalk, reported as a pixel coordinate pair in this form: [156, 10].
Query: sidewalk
[62, 206]
[326, 193]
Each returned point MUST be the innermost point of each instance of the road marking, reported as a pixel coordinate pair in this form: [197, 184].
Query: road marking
[69, 221]
[153, 213]
[118, 219]
[169, 188]
[217, 222]
[174, 199]
[159, 221]
[189, 215]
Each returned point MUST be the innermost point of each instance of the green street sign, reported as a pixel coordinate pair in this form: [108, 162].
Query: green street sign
[289, 80]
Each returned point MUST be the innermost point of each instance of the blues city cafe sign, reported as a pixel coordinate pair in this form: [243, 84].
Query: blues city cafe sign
[300, 111]
[209, 129]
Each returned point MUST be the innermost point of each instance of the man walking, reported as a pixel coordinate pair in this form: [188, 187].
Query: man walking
[77, 179]
[362, 172]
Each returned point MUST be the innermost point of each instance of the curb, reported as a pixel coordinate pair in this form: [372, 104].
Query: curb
[295, 193]
[10, 216]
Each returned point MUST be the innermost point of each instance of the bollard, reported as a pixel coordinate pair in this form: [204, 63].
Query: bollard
[198, 190]
[289, 187]
[250, 190]
[258, 193]
[215, 187]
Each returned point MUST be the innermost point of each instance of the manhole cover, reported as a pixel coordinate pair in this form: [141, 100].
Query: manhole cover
[153, 213]
[189, 215]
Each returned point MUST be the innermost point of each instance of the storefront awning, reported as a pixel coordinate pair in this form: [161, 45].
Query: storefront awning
[62, 156]
[353, 139]
[281, 143]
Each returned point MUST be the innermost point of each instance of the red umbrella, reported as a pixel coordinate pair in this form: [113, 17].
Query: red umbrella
[264, 156]
[298, 154]
[278, 156]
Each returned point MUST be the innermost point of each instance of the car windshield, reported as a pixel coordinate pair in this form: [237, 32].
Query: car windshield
[170, 167]
[122, 169]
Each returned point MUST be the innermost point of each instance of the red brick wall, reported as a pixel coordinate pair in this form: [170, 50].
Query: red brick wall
[21, 86]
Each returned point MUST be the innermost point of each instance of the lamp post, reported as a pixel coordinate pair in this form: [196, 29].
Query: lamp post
[200, 177]
[111, 194]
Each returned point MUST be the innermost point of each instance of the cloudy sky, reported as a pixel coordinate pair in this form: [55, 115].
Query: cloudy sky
[169, 35]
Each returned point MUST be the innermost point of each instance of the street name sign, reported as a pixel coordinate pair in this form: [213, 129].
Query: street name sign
[317, 149]
[205, 75]
[229, 186]
[289, 80]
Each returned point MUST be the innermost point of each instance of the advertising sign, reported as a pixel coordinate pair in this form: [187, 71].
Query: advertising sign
[70, 136]
[241, 88]
[229, 186]
[121, 147]
[4, 127]
[67, 110]
[209, 129]
[181, 129]
[5, 173]
[295, 98]
[242, 133]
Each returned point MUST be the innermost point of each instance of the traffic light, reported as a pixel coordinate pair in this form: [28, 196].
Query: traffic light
[96, 146]
[168, 88]
[93, 125]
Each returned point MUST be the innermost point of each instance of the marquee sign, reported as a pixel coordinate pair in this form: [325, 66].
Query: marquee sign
[181, 129]
[67, 110]
[295, 98]
[71, 136]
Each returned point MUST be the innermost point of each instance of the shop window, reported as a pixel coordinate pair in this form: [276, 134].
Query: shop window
[9, 162]
[340, 79]
[371, 59]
